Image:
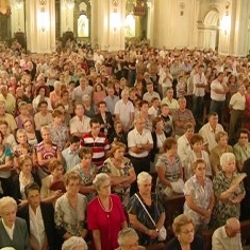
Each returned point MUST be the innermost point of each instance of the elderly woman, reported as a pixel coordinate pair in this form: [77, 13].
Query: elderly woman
[45, 151]
[89, 109]
[221, 138]
[13, 230]
[55, 96]
[185, 238]
[48, 193]
[74, 243]
[199, 196]
[169, 170]
[87, 170]
[22, 179]
[59, 131]
[142, 204]
[105, 215]
[121, 172]
[229, 191]
[128, 240]
[197, 152]
[70, 208]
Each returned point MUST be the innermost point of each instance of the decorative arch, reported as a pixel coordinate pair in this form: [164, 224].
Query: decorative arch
[212, 19]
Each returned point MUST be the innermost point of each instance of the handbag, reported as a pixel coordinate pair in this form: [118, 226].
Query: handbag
[162, 232]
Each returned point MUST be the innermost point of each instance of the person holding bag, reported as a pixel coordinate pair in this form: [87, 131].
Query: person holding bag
[147, 213]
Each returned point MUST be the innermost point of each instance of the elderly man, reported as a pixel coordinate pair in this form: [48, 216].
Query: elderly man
[7, 117]
[8, 99]
[228, 236]
[209, 130]
[124, 111]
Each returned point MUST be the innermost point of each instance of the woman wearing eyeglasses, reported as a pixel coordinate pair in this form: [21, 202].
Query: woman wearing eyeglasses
[185, 238]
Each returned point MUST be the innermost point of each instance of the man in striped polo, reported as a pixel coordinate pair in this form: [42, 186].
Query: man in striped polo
[98, 142]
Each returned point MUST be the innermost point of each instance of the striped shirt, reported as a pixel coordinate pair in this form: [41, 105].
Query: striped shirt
[99, 146]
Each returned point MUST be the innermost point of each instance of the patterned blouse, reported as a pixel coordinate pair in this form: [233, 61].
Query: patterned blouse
[155, 210]
[173, 170]
[224, 210]
[87, 180]
[124, 170]
[69, 219]
[59, 136]
[201, 197]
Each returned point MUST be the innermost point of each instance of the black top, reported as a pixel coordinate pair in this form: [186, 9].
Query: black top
[174, 244]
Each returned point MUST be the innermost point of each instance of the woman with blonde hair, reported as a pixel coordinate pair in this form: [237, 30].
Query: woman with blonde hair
[120, 170]
[185, 238]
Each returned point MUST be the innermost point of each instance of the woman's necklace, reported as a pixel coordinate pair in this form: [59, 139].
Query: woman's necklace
[105, 210]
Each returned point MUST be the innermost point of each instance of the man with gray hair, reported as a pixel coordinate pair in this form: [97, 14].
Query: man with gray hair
[227, 237]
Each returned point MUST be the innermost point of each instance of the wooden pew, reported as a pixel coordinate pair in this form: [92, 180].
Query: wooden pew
[174, 207]
[245, 234]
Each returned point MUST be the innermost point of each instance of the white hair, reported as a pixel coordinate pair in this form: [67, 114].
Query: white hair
[124, 234]
[73, 243]
[99, 179]
[5, 202]
[225, 158]
[142, 177]
[57, 84]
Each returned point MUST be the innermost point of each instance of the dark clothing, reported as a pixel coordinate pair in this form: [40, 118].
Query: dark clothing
[109, 123]
[245, 204]
[155, 150]
[15, 187]
[47, 210]
[174, 244]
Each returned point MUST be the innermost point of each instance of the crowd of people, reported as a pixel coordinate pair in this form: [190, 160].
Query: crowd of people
[82, 132]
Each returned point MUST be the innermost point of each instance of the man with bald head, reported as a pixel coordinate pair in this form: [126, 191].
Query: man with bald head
[227, 237]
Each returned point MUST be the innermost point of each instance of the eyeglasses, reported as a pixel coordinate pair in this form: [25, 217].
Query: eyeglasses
[95, 127]
[243, 137]
[188, 231]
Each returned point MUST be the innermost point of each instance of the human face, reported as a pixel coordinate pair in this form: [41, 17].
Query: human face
[86, 160]
[46, 135]
[27, 166]
[213, 120]
[42, 92]
[34, 198]
[145, 187]
[74, 146]
[119, 153]
[2, 109]
[223, 142]
[79, 110]
[43, 108]
[9, 214]
[58, 171]
[182, 104]
[111, 92]
[102, 108]
[170, 93]
[200, 171]
[243, 139]
[131, 243]
[73, 187]
[4, 129]
[232, 232]
[140, 124]
[173, 150]
[95, 128]
[197, 147]
[22, 138]
[165, 110]
[118, 128]
[144, 108]
[58, 120]
[150, 88]
[186, 234]
[230, 166]
[28, 126]
[105, 188]
[189, 133]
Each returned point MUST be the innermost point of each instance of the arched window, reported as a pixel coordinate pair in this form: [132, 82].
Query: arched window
[83, 26]
[130, 26]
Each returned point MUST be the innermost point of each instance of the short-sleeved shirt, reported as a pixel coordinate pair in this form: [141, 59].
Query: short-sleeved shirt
[6, 153]
[241, 154]
[201, 196]
[135, 138]
[79, 126]
[10, 120]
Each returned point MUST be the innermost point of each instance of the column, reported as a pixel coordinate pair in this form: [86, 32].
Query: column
[241, 36]
[40, 26]
[67, 16]
[17, 16]
[150, 24]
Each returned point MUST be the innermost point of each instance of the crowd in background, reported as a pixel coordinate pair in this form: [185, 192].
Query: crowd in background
[83, 131]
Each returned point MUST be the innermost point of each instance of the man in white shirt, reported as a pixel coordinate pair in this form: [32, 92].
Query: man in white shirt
[140, 143]
[218, 95]
[199, 84]
[209, 130]
[124, 111]
[150, 94]
[227, 237]
[39, 217]
[237, 106]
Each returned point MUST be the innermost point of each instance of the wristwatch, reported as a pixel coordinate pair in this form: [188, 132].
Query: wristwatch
[157, 230]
